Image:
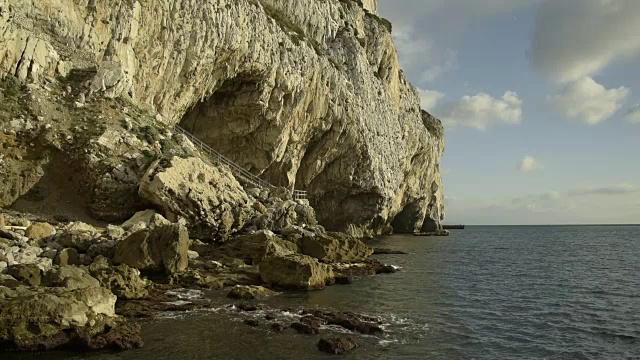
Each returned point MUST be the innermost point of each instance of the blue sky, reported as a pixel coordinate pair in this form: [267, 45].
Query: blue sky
[538, 98]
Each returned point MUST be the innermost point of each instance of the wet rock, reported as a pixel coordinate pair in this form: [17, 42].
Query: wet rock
[116, 335]
[162, 248]
[306, 329]
[367, 268]
[277, 327]
[350, 321]
[250, 293]
[29, 274]
[250, 307]
[335, 247]
[386, 251]
[67, 256]
[337, 346]
[39, 231]
[252, 322]
[295, 271]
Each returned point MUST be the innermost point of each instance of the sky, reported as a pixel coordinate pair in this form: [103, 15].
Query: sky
[540, 100]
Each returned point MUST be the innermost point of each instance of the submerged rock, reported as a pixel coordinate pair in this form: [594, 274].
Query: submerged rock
[295, 271]
[164, 248]
[337, 345]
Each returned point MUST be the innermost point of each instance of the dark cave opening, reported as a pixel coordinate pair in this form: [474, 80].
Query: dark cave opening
[408, 220]
[231, 120]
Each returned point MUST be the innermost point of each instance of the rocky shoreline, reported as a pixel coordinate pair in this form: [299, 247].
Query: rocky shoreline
[107, 210]
[75, 286]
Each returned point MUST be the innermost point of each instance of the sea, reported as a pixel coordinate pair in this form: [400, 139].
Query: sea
[486, 292]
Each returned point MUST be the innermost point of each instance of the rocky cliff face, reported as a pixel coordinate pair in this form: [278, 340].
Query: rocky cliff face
[307, 94]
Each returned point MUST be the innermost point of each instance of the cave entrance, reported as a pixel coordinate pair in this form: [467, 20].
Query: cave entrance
[408, 220]
[231, 121]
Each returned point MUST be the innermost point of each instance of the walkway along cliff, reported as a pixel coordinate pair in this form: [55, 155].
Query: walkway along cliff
[304, 94]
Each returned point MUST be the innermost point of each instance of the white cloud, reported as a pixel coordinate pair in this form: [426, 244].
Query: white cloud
[429, 98]
[482, 110]
[588, 101]
[528, 164]
[618, 189]
[578, 38]
[633, 114]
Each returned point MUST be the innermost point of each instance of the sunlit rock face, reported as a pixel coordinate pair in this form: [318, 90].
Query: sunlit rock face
[307, 94]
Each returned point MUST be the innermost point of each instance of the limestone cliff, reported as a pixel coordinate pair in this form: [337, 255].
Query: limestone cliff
[307, 94]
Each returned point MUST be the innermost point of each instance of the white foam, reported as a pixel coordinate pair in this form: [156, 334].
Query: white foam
[188, 294]
[179, 303]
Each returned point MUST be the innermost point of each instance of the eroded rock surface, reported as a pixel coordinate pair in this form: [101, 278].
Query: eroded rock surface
[164, 248]
[306, 95]
[295, 271]
[208, 197]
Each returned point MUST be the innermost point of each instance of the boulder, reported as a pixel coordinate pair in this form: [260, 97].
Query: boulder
[29, 274]
[39, 231]
[259, 246]
[80, 226]
[78, 239]
[10, 282]
[124, 281]
[40, 318]
[68, 256]
[244, 292]
[70, 277]
[335, 248]
[305, 328]
[114, 232]
[106, 248]
[295, 271]
[143, 220]
[337, 345]
[209, 198]
[162, 248]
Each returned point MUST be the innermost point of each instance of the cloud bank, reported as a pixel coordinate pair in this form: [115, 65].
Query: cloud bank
[587, 101]
[482, 111]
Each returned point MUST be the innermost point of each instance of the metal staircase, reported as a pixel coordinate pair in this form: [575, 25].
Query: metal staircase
[236, 169]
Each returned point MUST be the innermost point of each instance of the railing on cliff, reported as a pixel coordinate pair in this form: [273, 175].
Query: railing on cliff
[236, 169]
